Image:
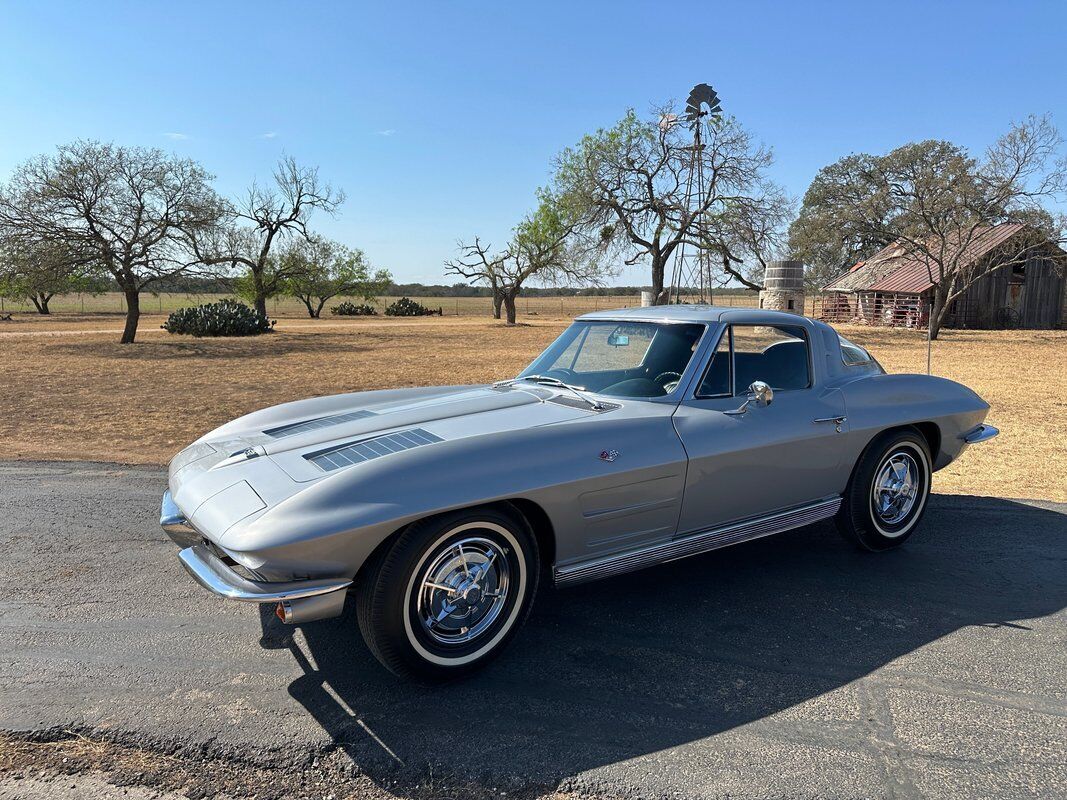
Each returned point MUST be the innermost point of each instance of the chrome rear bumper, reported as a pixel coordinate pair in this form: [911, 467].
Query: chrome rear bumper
[981, 433]
[210, 572]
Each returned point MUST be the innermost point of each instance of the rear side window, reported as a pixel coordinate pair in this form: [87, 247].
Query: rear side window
[777, 355]
[852, 354]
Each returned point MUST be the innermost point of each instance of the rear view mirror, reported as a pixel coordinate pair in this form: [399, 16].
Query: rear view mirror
[618, 340]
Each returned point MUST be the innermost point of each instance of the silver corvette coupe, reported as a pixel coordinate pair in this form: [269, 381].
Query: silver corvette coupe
[638, 437]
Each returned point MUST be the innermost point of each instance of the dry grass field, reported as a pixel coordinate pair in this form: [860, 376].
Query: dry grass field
[69, 391]
[286, 307]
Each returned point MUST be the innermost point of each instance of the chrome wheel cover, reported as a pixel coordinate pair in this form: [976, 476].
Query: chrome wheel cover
[463, 590]
[897, 484]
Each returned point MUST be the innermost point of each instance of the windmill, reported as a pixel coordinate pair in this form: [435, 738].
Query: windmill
[691, 274]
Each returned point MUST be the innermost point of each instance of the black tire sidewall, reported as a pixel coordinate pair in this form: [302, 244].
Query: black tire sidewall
[857, 518]
[384, 608]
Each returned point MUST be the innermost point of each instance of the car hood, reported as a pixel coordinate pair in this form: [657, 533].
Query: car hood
[308, 448]
[259, 460]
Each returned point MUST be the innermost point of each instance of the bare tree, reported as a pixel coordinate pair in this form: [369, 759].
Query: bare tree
[480, 267]
[634, 184]
[263, 218]
[547, 245]
[939, 204]
[132, 210]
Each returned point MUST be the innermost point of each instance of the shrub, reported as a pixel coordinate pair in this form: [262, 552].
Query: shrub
[347, 309]
[224, 318]
[405, 307]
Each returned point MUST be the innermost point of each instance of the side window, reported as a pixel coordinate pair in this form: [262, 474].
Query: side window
[716, 382]
[852, 354]
[776, 355]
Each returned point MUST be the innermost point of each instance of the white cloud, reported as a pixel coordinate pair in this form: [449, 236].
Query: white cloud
[176, 136]
[386, 132]
[269, 135]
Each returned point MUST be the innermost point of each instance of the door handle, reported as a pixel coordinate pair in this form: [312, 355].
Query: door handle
[837, 421]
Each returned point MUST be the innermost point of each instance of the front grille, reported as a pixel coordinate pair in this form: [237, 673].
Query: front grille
[358, 452]
[316, 424]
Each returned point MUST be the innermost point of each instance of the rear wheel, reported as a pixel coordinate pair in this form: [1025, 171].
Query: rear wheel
[887, 493]
[450, 592]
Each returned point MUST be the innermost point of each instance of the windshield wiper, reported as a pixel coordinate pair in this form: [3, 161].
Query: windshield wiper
[548, 380]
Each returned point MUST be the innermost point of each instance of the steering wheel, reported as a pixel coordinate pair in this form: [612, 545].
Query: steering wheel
[671, 382]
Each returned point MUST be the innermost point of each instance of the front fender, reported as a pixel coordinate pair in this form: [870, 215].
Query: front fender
[330, 527]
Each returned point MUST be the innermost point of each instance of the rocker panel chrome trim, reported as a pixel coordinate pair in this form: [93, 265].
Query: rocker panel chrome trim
[700, 542]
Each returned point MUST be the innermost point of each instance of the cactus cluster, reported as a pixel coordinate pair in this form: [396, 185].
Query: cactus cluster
[224, 318]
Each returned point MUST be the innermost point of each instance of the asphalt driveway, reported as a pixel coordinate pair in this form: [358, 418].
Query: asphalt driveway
[792, 666]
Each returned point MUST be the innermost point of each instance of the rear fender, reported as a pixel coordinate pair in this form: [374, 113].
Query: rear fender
[875, 403]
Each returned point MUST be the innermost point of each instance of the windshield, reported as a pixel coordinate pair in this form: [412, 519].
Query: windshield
[620, 359]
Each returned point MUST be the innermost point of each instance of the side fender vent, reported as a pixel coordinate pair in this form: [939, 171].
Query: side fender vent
[358, 452]
[297, 428]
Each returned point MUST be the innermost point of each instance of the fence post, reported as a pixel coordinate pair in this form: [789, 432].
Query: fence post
[929, 341]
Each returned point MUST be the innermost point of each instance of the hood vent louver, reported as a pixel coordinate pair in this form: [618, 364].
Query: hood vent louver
[296, 428]
[368, 449]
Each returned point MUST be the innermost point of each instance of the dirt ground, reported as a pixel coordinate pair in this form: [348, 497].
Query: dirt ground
[68, 390]
[67, 764]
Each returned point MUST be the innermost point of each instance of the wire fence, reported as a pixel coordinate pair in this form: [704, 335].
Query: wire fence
[166, 302]
[869, 308]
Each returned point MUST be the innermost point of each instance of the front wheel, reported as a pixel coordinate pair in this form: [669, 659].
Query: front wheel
[449, 593]
[887, 493]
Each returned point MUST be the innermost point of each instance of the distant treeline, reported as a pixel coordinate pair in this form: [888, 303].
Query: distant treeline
[188, 284]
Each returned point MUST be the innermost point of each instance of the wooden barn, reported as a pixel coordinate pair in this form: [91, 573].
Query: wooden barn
[894, 288]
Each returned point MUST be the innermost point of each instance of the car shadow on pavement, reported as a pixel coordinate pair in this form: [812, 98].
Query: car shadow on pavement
[636, 664]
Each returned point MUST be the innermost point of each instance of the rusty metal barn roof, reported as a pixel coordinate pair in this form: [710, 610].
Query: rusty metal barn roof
[891, 270]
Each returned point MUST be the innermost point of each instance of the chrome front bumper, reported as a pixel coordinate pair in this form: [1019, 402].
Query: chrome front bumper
[210, 572]
[980, 433]
[174, 523]
[298, 601]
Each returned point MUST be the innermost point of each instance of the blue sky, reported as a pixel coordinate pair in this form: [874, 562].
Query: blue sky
[439, 120]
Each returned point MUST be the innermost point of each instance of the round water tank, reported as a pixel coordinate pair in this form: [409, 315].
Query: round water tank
[783, 287]
[784, 275]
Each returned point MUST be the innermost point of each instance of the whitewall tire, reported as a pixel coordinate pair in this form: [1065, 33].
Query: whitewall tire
[888, 491]
[449, 593]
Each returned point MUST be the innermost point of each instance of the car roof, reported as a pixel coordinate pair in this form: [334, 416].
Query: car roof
[693, 313]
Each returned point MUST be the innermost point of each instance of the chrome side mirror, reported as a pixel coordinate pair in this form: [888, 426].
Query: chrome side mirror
[759, 393]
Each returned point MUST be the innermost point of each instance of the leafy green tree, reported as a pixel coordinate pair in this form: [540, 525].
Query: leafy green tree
[936, 201]
[549, 244]
[829, 245]
[38, 271]
[634, 186]
[319, 269]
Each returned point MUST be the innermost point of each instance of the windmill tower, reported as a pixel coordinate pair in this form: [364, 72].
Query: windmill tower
[691, 273]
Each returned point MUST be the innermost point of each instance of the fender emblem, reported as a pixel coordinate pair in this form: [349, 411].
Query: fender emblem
[609, 455]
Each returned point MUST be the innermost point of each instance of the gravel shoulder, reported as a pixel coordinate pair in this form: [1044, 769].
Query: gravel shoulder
[792, 666]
